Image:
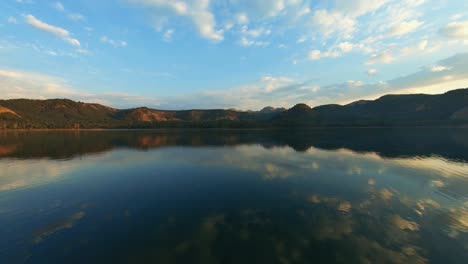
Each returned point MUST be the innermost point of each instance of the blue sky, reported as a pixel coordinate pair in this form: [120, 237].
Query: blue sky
[243, 54]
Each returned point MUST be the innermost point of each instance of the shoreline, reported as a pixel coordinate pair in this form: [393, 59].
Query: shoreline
[229, 129]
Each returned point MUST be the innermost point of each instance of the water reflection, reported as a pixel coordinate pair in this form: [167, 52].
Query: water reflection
[232, 197]
[448, 143]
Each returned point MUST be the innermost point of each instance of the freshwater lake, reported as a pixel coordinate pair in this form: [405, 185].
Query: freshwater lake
[348, 195]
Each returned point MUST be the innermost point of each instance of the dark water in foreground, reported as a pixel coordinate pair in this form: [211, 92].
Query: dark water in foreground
[319, 196]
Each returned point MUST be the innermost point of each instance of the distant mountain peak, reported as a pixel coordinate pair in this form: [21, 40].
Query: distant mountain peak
[271, 109]
[300, 107]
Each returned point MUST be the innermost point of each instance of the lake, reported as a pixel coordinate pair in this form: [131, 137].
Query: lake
[348, 195]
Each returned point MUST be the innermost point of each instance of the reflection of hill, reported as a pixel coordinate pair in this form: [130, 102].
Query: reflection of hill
[396, 142]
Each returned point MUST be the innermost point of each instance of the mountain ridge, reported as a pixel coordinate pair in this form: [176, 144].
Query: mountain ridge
[450, 108]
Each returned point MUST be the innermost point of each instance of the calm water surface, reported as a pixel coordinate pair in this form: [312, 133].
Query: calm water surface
[318, 196]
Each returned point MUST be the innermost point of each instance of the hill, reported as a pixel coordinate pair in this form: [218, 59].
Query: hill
[450, 108]
[65, 113]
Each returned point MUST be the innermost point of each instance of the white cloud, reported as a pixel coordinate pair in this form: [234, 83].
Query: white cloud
[246, 42]
[314, 88]
[456, 16]
[286, 92]
[457, 30]
[31, 85]
[439, 68]
[301, 39]
[352, 83]
[317, 54]
[198, 11]
[83, 51]
[270, 83]
[372, 71]
[250, 37]
[278, 91]
[57, 31]
[114, 43]
[329, 23]
[59, 6]
[384, 57]
[167, 36]
[404, 28]
[345, 46]
[255, 32]
[303, 11]
[422, 45]
[242, 18]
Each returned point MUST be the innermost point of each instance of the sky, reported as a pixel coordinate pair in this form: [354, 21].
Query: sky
[242, 54]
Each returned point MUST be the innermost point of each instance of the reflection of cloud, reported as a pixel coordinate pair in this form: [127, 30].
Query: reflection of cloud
[339, 204]
[67, 223]
[437, 183]
[403, 223]
[424, 204]
[459, 219]
[386, 195]
[273, 171]
[439, 165]
[325, 217]
[27, 173]
[344, 206]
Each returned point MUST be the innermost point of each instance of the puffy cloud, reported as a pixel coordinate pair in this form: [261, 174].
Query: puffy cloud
[198, 11]
[384, 57]
[167, 36]
[456, 30]
[250, 36]
[242, 18]
[331, 22]
[422, 45]
[246, 42]
[54, 30]
[270, 83]
[439, 68]
[303, 11]
[456, 16]
[372, 71]
[317, 54]
[404, 28]
[345, 46]
[301, 39]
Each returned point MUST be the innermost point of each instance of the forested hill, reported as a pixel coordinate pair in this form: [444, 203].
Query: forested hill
[450, 108]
